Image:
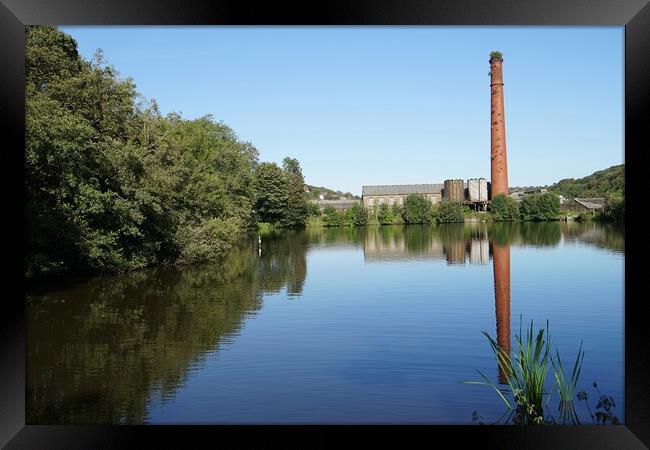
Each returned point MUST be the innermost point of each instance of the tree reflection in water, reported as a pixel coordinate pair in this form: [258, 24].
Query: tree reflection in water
[97, 351]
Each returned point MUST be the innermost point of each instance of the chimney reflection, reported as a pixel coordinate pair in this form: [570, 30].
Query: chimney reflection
[501, 265]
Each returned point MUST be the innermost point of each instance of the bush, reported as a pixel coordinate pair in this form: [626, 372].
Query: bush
[313, 210]
[504, 209]
[356, 216]
[389, 215]
[450, 212]
[332, 217]
[397, 214]
[315, 221]
[540, 207]
[417, 209]
[385, 215]
[208, 241]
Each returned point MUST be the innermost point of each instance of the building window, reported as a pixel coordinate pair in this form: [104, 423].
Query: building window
[371, 202]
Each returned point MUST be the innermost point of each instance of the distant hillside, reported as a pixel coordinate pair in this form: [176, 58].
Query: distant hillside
[328, 194]
[599, 184]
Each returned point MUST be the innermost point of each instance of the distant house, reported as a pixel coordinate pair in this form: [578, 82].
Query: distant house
[582, 204]
[591, 204]
[372, 196]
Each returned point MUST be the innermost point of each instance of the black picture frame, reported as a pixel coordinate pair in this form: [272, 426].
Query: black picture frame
[634, 15]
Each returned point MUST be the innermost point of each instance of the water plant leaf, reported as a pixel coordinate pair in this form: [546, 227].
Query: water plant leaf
[497, 390]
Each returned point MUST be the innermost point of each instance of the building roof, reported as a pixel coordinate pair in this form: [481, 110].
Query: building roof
[591, 203]
[403, 189]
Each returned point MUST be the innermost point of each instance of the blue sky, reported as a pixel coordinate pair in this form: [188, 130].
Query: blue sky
[388, 105]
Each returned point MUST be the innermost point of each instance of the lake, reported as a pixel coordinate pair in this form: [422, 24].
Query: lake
[343, 326]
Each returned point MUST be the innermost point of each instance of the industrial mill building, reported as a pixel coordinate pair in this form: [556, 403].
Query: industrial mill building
[473, 191]
[476, 191]
[372, 196]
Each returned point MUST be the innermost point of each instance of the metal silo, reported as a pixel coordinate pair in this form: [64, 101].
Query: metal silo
[446, 193]
[482, 190]
[454, 190]
[473, 190]
[458, 189]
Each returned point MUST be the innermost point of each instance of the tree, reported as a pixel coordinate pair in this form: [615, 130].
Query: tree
[296, 211]
[504, 209]
[78, 117]
[603, 183]
[449, 212]
[614, 208]
[417, 209]
[356, 215]
[112, 185]
[332, 217]
[271, 187]
[540, 207]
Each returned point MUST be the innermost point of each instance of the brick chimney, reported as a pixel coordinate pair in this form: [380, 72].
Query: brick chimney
[499, 169]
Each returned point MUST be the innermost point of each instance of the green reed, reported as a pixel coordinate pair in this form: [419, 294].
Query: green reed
[526, 372]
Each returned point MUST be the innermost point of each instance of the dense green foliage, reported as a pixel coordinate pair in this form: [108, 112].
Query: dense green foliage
[450, 212]
[313, 210]
[608, 183]
[417, 209]
[603, 183]
[384, 215]
[387, 215]
[614, 209]
[332, 217]
[504, 209]
[271, 187]
[295, 214]
[540, 207]
[356, 215]
[113, 185]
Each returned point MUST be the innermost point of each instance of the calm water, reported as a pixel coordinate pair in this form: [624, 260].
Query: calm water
[376, 325]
